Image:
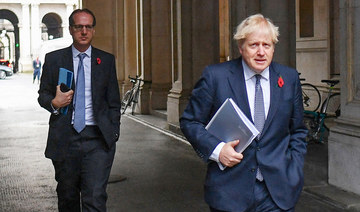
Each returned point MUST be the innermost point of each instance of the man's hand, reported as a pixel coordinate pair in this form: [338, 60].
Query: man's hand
[228, 156]
[62, 99]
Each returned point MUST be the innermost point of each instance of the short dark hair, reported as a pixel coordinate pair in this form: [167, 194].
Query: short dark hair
[71, 18]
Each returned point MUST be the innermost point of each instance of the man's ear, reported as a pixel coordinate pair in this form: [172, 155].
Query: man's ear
[240, 48]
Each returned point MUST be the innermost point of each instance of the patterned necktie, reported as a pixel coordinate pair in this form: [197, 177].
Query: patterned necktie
[259, 111]
[79, 117]
[259, 114]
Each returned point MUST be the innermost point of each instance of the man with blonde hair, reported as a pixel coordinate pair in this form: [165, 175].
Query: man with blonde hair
[268, 174]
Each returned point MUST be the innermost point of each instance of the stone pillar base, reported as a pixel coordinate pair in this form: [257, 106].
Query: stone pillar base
[158, 95]
[176, 104]
[344, 155]
[144, 99]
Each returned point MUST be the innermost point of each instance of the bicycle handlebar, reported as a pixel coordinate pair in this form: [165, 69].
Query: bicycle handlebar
[137, 78]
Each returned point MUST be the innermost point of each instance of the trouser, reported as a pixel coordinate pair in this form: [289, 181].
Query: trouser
[36, 75]
[263, 201]
[83, 175]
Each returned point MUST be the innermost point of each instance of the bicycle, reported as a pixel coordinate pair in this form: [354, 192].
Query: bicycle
[311, 96]
[330, 109]
[131, 96]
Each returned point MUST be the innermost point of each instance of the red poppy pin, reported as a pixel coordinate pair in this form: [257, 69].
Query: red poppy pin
[98, 61]
[280, 82]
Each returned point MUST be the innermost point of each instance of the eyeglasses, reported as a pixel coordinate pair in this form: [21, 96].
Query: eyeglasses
[80, 27]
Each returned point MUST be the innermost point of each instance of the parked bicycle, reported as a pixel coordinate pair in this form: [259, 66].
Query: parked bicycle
[131, 96]
[330, 109]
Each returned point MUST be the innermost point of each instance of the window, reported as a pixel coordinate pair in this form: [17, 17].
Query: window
[306, 18]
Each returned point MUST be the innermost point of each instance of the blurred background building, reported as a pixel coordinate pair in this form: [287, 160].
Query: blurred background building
[30, 28]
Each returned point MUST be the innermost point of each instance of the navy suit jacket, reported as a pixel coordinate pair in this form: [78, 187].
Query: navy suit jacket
[105, 98]
[279, 152]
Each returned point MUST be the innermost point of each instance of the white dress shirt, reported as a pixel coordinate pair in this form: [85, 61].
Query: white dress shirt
[250, 81]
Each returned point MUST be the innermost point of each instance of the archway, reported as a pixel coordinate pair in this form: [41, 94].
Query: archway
[12, 32]
[52, 26]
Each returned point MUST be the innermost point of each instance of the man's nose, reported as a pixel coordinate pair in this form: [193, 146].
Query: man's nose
[83, 30]
[261, 50]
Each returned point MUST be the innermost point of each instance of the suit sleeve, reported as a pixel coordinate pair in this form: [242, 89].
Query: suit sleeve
[47, 89]
[298, 130]
[197, 114]
[113, 95]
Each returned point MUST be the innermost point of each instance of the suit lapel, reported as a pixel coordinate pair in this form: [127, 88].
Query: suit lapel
[275, 93]
[237, 83]
[95, 71]
[67, 61]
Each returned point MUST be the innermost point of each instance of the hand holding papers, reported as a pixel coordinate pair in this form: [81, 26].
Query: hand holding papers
[65, 77]
[229, 123]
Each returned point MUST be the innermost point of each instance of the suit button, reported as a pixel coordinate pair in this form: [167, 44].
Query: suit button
[253, 170]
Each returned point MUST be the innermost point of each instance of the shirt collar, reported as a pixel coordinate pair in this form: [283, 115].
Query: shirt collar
[76, 52]
[248, 73]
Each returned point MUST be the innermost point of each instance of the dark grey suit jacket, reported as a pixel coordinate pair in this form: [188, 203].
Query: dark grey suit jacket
[105, 98]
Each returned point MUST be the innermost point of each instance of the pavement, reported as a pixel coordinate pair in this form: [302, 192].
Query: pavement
[162, 171]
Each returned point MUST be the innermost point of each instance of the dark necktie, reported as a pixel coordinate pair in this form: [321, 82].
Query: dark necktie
[79, 117]
[259, 114]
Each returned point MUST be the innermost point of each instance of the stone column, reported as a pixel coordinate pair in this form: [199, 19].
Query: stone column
[25, 57]
[160, 39]
[35, 30]
[344, 139]
[145, 58]
[195, 44]
[66, 24]
[130, 41]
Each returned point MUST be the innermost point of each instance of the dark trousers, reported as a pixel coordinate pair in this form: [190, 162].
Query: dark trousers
[36, 74]
[263, 201]
[82, 177]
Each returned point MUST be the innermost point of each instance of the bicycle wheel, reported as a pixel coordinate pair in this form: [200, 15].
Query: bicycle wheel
[332, 110]
[311, 97]
[126, 101]
[333, 106]
[135, 100]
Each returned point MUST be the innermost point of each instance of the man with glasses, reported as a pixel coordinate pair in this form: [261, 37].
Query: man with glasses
[81, 141]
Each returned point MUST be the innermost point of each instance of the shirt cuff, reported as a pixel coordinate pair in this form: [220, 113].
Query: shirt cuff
[215, 155]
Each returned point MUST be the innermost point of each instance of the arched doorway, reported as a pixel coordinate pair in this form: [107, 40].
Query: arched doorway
[52, 26]
[9, 26]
